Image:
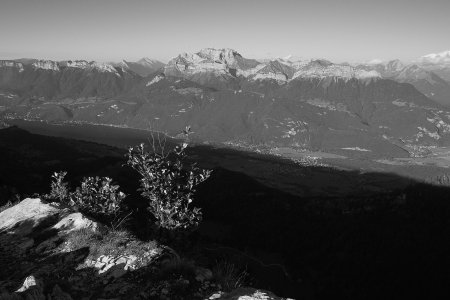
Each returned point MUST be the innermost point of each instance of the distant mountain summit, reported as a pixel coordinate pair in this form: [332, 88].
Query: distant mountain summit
[56, 80]
[219, 61]
[213, 65]
[144, 67]
[439, 63]
[436, 58]
[424, 77]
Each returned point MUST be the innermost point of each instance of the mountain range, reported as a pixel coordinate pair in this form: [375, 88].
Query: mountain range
[382, 109]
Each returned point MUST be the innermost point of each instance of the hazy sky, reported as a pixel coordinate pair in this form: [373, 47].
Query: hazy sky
[340, 30]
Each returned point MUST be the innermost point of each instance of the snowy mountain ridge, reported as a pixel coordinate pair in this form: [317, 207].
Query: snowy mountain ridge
[436, 58]
[229, 63]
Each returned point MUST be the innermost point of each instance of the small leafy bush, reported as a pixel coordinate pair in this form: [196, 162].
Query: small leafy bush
[168, 185]
[98, 196]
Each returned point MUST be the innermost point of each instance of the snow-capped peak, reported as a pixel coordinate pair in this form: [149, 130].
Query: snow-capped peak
[103, 67]
[225, 55]
[436, 58]
[208, 57]
[226, 62]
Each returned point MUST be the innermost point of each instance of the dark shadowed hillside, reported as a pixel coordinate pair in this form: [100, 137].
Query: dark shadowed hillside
[389, 242]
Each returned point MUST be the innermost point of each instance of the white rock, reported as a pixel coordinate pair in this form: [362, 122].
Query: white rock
[22, 218]
[76, 221]
[121, 260]
[29, 282]
[247, 294]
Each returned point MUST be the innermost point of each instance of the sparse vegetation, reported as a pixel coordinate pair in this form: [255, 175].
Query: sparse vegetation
[229, 276]
[168, 185]
[109, 242]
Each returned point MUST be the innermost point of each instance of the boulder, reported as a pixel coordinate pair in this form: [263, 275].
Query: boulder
[33, 289]
[28, 283]
[76, 221]
[23, 218]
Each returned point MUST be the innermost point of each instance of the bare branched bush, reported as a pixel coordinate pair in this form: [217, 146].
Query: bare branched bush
[59, 188]
[168, 184]
[229, 276]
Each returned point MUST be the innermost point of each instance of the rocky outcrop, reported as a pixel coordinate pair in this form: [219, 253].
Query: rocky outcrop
[26, 216]
[245, 294]
[76, 221]
[33, 289]
[49, 252]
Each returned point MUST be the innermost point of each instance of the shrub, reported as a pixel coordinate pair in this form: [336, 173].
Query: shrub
[98, 196]
[168, 185]
[59, 188]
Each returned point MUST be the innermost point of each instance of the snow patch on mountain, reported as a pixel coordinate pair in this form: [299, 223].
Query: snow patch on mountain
[155, 80]
[80, 64]
[229, 63]
[93, 65]
[324, 69]
[46, 65]
[357, 149]
[436, 58]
